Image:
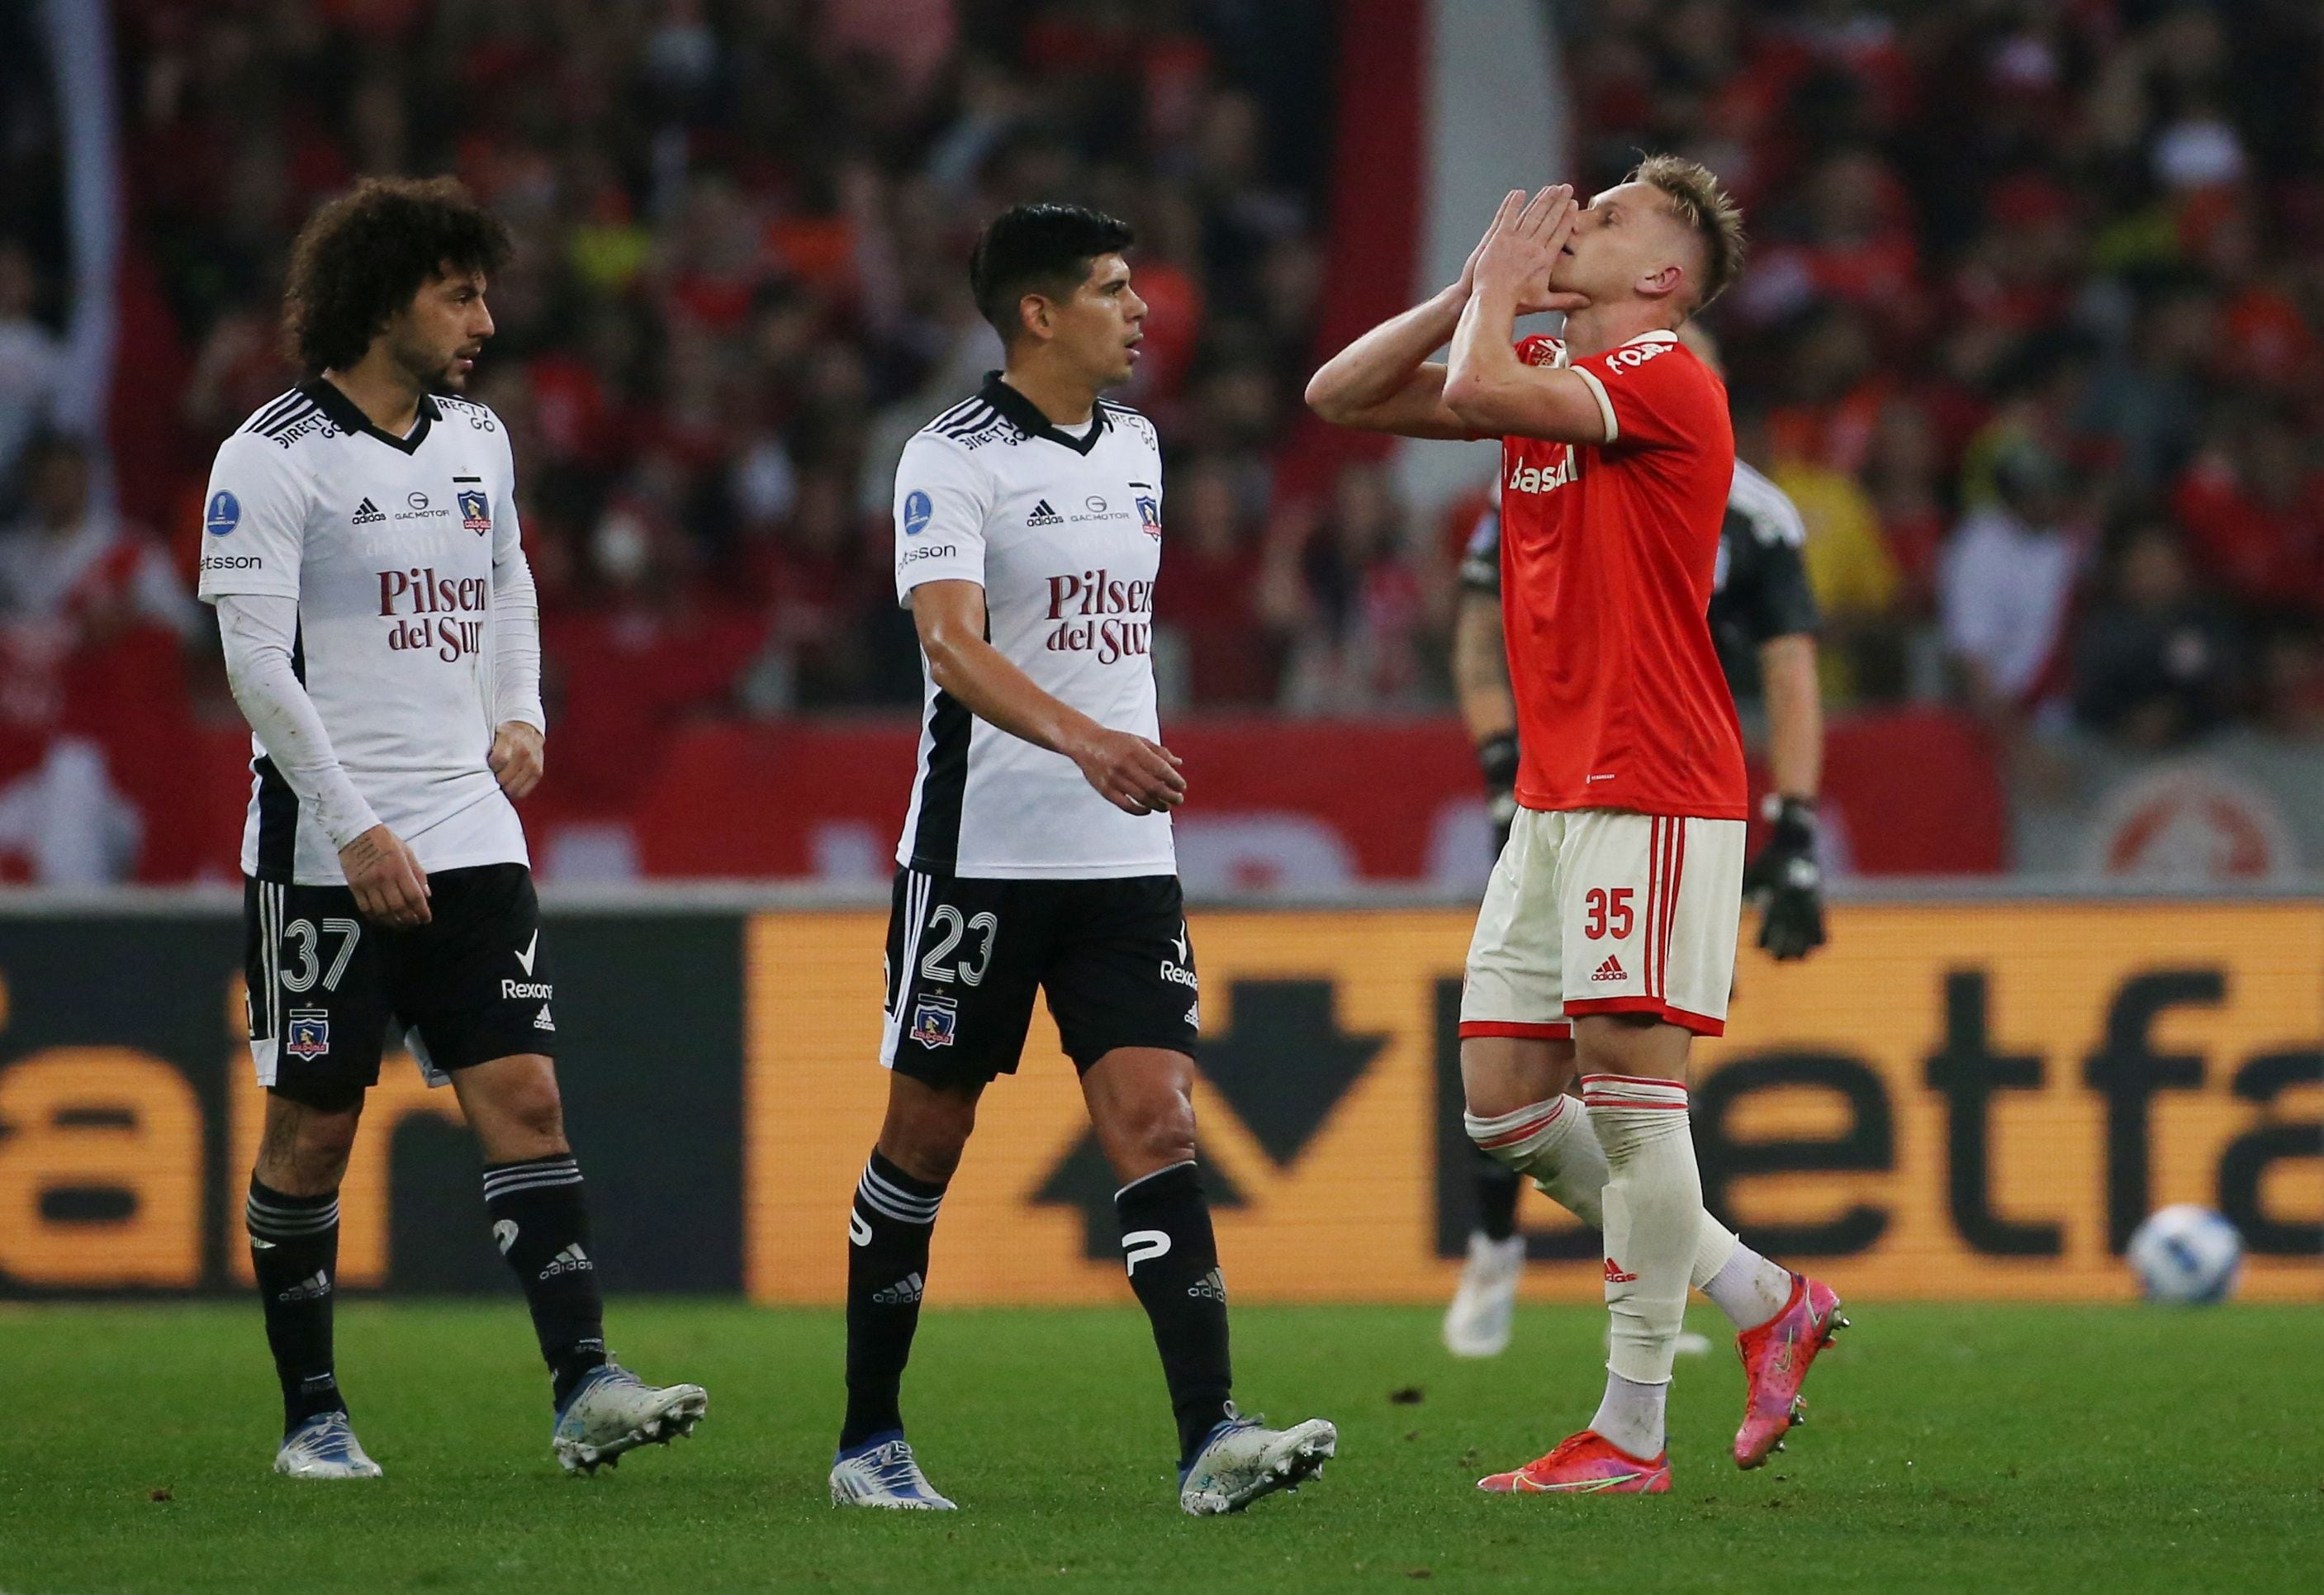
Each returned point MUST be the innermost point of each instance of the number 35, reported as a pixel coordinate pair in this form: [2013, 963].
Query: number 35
[1608, 906]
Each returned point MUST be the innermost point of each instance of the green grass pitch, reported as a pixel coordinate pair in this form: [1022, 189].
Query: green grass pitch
[1952, 1448]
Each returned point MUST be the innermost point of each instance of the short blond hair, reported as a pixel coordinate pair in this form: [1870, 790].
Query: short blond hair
[1697, 199]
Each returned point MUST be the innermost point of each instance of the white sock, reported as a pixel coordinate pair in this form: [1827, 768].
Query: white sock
[1654, 1217]
[1745, 1285]
[1552, 1142]
[1631, 1415]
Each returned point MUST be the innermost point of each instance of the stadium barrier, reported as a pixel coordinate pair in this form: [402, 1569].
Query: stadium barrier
[1959, 1098]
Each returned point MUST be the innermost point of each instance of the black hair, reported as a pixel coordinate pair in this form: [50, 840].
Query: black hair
[1044, 249]
[360, 258]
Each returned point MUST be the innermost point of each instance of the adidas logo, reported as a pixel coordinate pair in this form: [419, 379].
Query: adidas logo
[367, 515]
[571, 1261]
[1614, 1274]
[904, 1292]
[308, 1290]
[541, 1021]
[1612, 969]
[1043, 515]
[1211, 1288]
[1194, 1016]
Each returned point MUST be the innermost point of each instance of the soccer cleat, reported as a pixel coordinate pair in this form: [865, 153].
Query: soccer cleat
[1776, 1360]
[611, 1410]
[883, 1472]
[1587, 1463]
[1241, 1460]
[1476, 1323]
[324, 1447]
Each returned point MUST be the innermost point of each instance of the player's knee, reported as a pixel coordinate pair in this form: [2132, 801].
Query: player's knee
[925, 1133]
[1151, 1132]
[534, 1110]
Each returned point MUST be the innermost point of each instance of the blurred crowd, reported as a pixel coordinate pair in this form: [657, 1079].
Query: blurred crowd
[2031, 331]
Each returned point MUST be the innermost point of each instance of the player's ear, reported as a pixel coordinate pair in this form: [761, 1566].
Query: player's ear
[1663, 282]
[1036, 313]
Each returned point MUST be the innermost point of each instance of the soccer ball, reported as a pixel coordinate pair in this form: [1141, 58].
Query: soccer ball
[2186, 1254]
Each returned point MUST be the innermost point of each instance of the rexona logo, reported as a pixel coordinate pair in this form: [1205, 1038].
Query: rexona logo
[420, 594]
[1535, 479]
[1098, 612]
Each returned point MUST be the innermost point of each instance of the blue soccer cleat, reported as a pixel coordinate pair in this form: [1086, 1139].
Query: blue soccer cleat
[611, 1410]
[1242, 1459]
[324, 1447]
[883, 1472]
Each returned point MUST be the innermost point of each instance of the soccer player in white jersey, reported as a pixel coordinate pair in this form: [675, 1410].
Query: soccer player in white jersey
[361, 545]
[1038, 854]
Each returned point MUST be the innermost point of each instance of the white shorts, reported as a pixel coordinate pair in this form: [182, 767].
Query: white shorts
[1600, 911]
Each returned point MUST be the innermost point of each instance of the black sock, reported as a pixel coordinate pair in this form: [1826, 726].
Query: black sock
[888, 1232]
[294, 1250]
[1498, 1185]
[540, 1222]
[1173, 1267]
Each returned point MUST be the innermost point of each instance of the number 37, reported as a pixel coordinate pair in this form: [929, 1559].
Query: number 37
[1608, 908]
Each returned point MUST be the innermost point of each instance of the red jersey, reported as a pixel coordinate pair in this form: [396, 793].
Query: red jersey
[1608, 555]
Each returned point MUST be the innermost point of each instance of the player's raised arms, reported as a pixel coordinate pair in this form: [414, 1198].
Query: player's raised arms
[1488, 388]
[1384, 381]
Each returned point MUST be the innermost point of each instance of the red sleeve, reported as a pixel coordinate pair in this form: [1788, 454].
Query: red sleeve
[1659, 394]
[1539, 349]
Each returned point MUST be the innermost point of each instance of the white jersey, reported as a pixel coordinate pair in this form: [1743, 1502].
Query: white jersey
[390, 546]
[1065, 535]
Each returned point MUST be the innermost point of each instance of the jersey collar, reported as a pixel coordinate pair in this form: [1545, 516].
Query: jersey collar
[1026, 416]
[348, 418]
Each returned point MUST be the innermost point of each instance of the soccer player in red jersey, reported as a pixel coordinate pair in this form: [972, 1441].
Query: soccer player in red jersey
[1606, 942]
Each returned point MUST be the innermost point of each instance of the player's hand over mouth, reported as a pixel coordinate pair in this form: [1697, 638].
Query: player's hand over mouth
[1522, 250]
[518, 758]
[1134, 775]
[391, 888]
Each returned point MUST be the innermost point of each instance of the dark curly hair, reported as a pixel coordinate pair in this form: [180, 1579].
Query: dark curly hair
[360, 258]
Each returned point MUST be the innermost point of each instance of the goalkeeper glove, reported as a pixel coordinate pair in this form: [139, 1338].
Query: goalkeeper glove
[1786, 877]
[1497, 760]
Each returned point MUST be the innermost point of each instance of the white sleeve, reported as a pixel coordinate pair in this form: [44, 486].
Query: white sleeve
[253, 521]
[516, 618]
[941, 498]
[259, 632]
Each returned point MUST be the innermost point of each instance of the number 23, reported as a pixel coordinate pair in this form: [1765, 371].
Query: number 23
[1605, 906]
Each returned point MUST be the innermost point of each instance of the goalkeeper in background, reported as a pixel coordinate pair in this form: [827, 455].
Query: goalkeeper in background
[1763, 616]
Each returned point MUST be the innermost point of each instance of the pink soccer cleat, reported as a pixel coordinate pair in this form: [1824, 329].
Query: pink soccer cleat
[1587, 1463]
[1777, 1357]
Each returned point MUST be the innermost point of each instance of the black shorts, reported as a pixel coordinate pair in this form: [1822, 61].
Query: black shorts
[325, 986]
[965, 955]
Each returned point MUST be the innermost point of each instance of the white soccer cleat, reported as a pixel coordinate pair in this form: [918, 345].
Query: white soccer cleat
[324, 1447]
[613, 1410]
[1476, 1323]
[884, 1473]
[1243, 1460]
